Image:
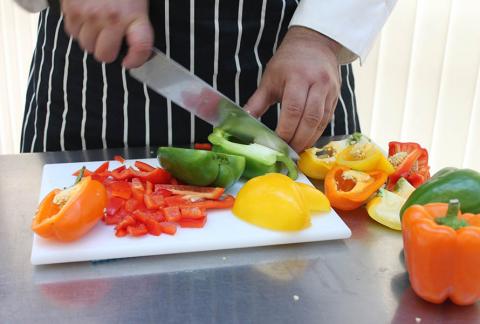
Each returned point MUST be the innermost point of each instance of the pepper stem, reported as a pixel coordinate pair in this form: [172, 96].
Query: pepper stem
[80, 175]
[451, 219]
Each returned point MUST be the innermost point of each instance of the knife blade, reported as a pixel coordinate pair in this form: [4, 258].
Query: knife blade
[173, 81]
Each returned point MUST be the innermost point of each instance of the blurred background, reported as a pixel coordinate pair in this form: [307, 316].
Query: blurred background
[419, 83]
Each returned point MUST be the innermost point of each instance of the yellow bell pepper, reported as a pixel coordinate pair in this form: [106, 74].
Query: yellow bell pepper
[277, 202]
[364, 156]
[385, 207]
[316, 162]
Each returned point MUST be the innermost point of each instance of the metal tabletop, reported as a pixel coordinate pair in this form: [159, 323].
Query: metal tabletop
[358, 280]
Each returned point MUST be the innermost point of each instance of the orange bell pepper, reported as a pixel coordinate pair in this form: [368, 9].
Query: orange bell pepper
[66, 215]
[348, 189]
[442, 253]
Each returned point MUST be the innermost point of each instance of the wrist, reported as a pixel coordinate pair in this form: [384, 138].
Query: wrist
[311, 35]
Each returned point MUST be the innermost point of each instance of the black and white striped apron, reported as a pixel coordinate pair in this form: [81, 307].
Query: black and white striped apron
[74, 102]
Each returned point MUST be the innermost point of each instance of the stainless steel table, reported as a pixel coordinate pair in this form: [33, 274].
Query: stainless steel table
[359, 280]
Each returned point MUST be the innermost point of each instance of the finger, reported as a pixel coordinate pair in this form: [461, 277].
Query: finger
[293, 104]
[108, 44]
[72, 19]
[260, 101]
[330, 105]
[140, 41]
[311, 118]
[87, 37]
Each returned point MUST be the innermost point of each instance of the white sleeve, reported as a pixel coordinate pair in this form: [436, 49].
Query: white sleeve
[352, 23]
[32, 5]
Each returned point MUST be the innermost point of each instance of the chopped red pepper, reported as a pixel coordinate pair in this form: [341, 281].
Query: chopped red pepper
[120, 189]
[172, 214]
[119, 158]
[114, 205]
[192, 223]
[137, 229]
[137, 189]
[168, 228]
[102, 168]
[142, 166]
[193, 212]
[203, 146]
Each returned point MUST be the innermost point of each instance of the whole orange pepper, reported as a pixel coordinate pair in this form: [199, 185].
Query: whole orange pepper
[442, 252]
[348, 189]
[69, 214]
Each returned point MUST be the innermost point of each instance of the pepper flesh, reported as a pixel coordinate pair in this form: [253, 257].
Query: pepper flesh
[259, 159]
[442, 262]
[410, 161]
[364, 157]
[68, 215]
[315, 162]
[347, 189]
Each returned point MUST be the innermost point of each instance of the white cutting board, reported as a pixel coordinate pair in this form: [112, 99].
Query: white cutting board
[222, 231]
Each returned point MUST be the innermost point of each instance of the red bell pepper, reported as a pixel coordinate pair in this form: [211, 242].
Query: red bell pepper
[410, 161]
[194, 191]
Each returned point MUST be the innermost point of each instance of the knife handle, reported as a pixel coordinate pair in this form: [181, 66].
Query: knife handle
[55, 7]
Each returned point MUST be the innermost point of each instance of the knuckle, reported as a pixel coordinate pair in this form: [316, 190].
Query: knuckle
[312, 119]
[293, 110]
[284, 133]
[325, 78]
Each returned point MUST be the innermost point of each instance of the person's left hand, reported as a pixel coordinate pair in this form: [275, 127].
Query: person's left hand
[303, 75]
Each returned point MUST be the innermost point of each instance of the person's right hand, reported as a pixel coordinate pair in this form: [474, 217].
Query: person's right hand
[101, 25]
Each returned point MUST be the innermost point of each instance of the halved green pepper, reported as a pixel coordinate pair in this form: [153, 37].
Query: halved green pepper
[447, 184]
[259, 159]
[200, 167]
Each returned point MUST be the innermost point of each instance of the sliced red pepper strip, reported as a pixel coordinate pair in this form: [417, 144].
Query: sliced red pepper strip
[119, 158]
[157, 176]
[148, 188]
[193, 191]
[163, 192]
[142, 166]
[102, 168]
[137, 189]
[203, 146]
[179, 201]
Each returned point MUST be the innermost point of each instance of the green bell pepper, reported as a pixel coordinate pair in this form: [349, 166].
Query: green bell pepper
[200, 167]
[259, 159]
[447, 184]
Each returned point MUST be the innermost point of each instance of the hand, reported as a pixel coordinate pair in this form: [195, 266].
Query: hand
[101, 25]
[303, 74]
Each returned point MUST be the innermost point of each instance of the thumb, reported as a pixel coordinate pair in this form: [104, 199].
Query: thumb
[259, 102]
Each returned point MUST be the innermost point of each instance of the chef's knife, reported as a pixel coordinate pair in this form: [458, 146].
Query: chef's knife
[182, 87]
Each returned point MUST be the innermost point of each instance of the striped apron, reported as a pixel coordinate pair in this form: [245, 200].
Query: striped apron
[76, 103]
